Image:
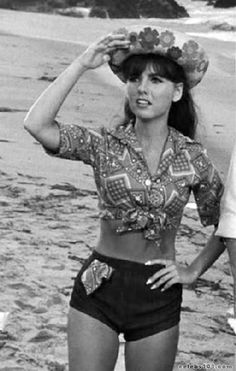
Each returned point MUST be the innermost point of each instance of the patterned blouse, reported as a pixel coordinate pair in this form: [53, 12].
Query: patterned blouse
[128, 192]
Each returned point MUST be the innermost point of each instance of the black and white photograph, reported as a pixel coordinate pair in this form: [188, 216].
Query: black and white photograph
[117, 185]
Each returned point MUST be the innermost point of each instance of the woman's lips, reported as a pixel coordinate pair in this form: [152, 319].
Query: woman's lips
[143, 102]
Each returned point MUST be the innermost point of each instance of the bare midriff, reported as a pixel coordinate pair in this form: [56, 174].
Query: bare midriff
[132, 245]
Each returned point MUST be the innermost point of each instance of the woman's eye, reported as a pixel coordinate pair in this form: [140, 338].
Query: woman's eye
[156, 79]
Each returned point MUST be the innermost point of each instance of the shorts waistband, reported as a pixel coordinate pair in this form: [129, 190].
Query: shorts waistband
[127, 265]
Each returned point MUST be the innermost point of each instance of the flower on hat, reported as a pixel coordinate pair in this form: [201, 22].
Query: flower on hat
[203, 64]
[174, 53]
[149, 38]
[202, 67]
[190, 56]
[167, 39]
[190, 49]
[134, 39]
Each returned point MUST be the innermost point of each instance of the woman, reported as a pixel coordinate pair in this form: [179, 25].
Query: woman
[144, 171]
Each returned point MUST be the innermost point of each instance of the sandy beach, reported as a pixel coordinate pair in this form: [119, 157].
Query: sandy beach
[48, 214]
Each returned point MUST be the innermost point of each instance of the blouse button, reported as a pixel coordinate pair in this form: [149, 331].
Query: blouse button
[148, 182]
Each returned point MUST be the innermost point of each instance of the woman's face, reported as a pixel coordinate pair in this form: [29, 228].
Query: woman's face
[150, 96]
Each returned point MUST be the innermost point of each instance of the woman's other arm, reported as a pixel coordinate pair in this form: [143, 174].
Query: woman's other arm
[210, 253]
[176, 273]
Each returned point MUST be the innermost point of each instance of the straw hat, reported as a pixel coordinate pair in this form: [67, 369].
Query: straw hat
[153, 39]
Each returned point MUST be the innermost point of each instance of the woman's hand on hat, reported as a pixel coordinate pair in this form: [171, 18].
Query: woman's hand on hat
[98, 53]
[171, 274]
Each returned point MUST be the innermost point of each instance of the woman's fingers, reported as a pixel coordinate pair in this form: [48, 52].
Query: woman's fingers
[112, 46]
[165, 277]
[111, 37]
[159, 275]
[164, 280]
[99, 52]
[168, 284]
[165, 262]
[113, 42]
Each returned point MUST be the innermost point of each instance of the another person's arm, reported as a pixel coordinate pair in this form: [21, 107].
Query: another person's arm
[40, 119]
[227, 224]
[231, 247]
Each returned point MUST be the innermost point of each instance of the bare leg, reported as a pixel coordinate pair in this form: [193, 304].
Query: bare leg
[153, 353]
[93, 346]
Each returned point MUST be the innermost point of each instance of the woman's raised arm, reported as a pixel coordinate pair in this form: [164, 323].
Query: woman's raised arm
[39, 121]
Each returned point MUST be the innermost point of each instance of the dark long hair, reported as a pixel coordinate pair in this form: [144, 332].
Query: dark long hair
[182, 114]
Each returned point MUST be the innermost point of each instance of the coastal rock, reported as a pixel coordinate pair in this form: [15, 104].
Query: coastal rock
[6, 4]
[69, 6]
[142, 8]
[221, 3]
[223, 27]
[161, 9]
[225, 3]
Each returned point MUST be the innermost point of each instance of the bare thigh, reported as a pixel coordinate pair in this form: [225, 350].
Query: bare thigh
[153, 353]
[92, 345]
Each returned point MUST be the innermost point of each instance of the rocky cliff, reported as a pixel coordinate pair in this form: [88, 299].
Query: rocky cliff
[142, 8]
[110, 8]
[221, 3]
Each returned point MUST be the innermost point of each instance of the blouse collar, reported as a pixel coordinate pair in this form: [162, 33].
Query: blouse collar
[126, 134]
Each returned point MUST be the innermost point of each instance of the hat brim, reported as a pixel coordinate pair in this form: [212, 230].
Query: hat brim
[174, 45]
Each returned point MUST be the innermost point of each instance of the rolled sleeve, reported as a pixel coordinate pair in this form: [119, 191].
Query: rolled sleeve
[208, 191]
[76, 143]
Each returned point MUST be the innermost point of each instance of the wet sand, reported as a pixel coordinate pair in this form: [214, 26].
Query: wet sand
[48, 214]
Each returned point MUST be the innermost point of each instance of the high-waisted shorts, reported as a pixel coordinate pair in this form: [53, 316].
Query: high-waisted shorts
[117, 295]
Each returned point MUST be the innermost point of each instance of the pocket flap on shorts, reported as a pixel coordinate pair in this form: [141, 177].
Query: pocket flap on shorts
[92, 277]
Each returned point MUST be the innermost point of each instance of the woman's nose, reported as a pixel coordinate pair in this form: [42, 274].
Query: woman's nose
[142, 85]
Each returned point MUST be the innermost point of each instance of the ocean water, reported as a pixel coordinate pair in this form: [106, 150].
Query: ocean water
[203, 14]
